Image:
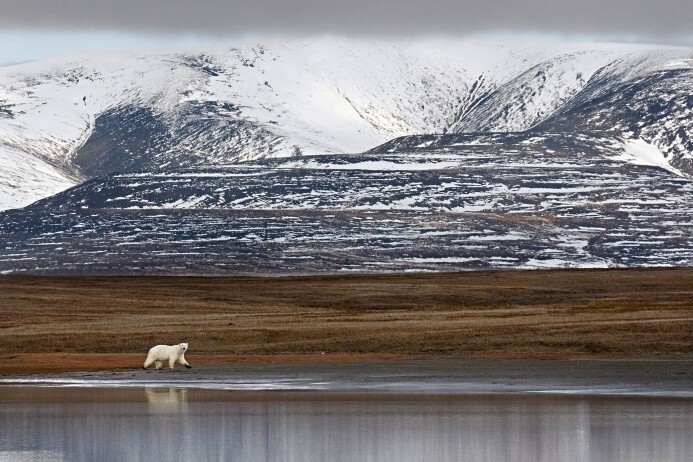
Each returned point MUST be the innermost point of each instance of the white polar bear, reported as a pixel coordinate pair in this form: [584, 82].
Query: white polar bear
[170, 353]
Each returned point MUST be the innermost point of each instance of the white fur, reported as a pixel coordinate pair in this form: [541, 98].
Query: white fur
[171, 353]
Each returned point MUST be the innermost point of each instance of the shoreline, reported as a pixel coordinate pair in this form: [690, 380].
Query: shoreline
[62, 363]
[66, 363]
[647, 377]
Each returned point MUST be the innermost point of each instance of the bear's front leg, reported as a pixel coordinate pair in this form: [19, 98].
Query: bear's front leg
[184, 362]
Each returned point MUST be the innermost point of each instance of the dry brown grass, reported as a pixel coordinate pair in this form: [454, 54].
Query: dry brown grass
[621, 313]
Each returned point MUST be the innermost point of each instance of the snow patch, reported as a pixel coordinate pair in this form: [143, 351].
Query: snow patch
[640, 152]
[377, 165]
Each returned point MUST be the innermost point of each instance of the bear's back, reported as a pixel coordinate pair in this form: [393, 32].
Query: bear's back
[161, 349]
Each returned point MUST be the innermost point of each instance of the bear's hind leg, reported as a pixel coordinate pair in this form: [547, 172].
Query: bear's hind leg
[158, 364]
[172, 362]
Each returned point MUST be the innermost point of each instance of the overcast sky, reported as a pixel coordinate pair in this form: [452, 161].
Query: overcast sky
[32, 29]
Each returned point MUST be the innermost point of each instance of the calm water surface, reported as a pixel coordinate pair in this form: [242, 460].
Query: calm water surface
[93, 424]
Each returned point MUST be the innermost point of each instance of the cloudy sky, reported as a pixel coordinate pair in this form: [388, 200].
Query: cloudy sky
[34, 29]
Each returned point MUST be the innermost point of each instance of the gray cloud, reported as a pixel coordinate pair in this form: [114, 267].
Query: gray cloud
[635, 20]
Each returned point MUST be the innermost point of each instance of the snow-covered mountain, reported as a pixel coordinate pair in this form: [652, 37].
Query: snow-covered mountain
[341, 156]
[65, 120]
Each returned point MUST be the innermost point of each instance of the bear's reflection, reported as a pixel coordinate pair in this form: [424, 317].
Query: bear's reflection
[167, 400]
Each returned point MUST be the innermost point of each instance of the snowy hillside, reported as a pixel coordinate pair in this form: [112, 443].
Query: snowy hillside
[421, 203]
[25, 178]
[78, 117]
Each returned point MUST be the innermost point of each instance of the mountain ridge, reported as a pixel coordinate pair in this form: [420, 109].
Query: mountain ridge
[419, 203]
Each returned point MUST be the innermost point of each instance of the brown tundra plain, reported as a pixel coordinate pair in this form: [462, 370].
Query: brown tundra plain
[53, 324]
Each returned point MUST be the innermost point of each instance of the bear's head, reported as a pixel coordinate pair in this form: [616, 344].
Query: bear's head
[183, 346]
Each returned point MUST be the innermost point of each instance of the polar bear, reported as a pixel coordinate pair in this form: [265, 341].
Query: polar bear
[170, 353]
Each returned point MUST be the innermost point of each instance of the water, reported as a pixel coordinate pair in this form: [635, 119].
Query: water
[171, 424]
